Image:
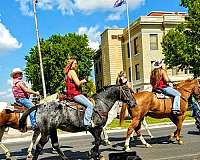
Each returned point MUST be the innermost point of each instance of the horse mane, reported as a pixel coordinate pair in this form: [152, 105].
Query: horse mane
[183, 82]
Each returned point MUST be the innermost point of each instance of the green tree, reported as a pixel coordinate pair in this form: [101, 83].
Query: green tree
[181, 46]
[55, 52]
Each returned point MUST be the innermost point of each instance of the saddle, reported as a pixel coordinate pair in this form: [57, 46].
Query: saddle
[160, 93]
[18, 107]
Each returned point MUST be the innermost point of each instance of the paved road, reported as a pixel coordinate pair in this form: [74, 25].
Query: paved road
[77, 147]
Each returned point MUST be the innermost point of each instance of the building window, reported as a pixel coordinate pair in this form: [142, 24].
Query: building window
[153, 42]
[114, 36]
[137, 90]
[96, 68]
[99, 66]
[137, 72]
[136, 48]
[129, 73]
[128, 50]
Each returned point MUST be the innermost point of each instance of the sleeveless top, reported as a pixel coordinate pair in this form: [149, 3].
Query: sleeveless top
[162, 84]
[72, 89]
[17, 91]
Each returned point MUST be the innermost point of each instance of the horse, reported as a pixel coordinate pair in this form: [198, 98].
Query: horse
[64, 116]
[113, 114]
[9, 117]
[149, 105]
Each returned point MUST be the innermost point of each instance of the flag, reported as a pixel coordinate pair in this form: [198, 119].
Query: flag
[119, 3]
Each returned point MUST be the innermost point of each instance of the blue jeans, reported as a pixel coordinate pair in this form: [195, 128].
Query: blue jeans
[89, 108]
[172, 92]
[195, 108]
[28, 104]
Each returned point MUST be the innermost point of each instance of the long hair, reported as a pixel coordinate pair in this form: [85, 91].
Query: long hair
[69, 65]
[155, 77]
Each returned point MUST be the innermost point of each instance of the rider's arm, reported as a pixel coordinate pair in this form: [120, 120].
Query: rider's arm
[26, 89]
[165, 76]
[75, 78]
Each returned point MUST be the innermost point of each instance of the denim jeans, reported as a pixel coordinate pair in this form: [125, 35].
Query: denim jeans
[28, 104]
[172, 92]
[89, 108]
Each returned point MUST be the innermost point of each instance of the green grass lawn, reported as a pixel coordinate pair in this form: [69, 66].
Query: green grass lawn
[115, 122]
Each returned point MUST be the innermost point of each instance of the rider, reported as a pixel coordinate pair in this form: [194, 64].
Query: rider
[73, 92]
[159, 81]
[22, 93]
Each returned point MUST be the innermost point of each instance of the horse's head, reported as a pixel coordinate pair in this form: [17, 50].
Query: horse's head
[190, 87]
[126, 95]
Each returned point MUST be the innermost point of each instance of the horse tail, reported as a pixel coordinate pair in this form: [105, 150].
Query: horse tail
[122, 114]
[22, 121]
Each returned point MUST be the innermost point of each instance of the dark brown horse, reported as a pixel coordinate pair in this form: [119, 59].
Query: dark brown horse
[9, 118]
[149, 104]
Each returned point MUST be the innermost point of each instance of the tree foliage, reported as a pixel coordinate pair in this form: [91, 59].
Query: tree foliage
[55, 52]
[181, 46]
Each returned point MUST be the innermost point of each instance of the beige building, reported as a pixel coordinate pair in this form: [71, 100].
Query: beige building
[146, 36]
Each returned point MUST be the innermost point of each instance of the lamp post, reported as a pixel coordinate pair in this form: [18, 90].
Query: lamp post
[39, 50]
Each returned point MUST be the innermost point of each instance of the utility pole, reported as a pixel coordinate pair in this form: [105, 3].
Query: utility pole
[39, 50]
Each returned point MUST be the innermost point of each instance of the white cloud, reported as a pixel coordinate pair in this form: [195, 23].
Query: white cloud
[7, 41]
[93, 35]
[71, 6]
[114, 16]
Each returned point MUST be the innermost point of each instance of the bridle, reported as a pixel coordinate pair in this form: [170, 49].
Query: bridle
[126, 97]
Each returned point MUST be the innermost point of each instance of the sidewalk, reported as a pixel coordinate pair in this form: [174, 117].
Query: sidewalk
[14, 135]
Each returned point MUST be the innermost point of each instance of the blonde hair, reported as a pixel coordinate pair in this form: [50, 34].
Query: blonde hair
[70, 61]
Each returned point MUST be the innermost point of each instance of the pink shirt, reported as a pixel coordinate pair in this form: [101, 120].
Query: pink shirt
[17, 91]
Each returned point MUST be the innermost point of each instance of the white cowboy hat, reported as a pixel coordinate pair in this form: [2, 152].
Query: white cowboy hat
[16, 70]
[158, 64]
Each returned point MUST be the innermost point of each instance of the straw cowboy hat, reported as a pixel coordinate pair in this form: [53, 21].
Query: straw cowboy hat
[15, 70]
[158, 64]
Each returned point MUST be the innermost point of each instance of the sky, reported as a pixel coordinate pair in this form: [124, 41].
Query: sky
[91, 17]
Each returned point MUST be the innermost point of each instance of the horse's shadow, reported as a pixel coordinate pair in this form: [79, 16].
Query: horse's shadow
[194, 132]
[72, 155]
[135, 141]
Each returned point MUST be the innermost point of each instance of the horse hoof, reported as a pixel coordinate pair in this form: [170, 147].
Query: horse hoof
[106, 142]
[180, 142]
[127, 148]
[148, 145]
[151, 136]
[102, 158]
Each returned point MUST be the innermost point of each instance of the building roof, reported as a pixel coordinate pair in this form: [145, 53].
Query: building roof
[161, 13]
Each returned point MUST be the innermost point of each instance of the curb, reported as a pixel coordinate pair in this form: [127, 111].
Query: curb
[26, 138]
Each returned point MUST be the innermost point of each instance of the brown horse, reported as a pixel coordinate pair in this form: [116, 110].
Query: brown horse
[149, 105]
[9, 118]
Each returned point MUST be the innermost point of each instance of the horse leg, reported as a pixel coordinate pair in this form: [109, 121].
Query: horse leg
[131, 128]
[55, 144]
[177, 133]
[34, 138]
[39, 147]
[144, 123]
[137, 130]
[94, 152]
[6, 151]
[111, 115]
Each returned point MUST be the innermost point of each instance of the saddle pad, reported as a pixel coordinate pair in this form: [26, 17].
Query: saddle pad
[74, 105]
[161, 96]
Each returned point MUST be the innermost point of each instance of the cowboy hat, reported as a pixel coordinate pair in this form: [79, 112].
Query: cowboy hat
[158, 64]
[15, 70]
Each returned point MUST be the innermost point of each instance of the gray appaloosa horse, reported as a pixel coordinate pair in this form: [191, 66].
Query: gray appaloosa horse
[60, 115]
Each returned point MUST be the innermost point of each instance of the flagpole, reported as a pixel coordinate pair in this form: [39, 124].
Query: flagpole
[39, 50]
[129, 44]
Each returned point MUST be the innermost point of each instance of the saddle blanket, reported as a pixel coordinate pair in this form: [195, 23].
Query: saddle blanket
[161, 96]
[4, 105]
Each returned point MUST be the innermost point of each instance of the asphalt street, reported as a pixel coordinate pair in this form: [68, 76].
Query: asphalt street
[76, 147]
